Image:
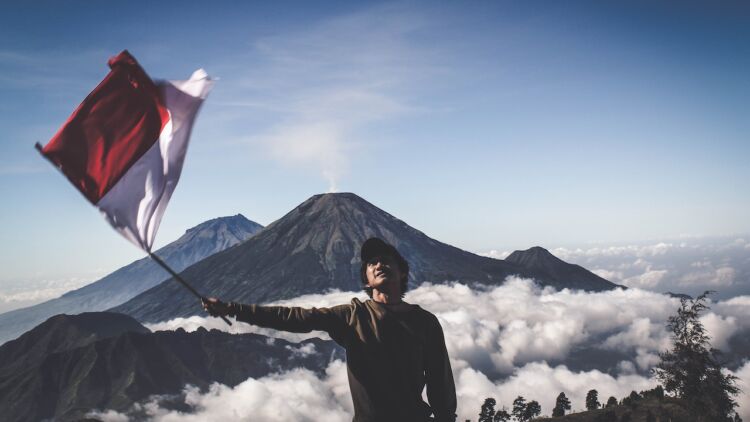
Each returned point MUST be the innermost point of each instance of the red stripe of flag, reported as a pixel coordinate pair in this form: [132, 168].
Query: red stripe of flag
[111, 129]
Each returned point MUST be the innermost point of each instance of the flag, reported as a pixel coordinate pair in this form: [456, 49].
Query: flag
[124, 146]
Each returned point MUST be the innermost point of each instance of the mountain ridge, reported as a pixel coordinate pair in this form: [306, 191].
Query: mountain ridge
[315, 247]
[109, 361]
[548, 265]
[126, 282]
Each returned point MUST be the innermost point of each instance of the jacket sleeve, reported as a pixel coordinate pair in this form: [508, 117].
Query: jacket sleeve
[334, 321]
[441, 390]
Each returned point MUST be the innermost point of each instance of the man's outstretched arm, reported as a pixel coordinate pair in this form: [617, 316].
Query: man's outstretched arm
[293, 319]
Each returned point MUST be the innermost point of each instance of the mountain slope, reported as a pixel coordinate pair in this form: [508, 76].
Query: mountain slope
[197, 243]
[314, 248]
[63, 332]
[550, 267]
[123, 366]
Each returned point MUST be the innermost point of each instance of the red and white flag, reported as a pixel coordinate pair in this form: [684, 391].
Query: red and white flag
[124, 146]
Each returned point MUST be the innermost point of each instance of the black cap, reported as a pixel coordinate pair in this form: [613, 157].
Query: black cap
[374, 247]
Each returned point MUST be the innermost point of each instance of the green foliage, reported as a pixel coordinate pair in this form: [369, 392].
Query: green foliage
[691, 369]
[592, 400]
[656, 393]
[631, 399]
[561, 405]
[532, 410]
[607, 416]
[502, 415]
[611, 402]
[488, 410]
[519, 406]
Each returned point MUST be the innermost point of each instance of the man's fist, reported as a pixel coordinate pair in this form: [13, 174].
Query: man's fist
[215, 307]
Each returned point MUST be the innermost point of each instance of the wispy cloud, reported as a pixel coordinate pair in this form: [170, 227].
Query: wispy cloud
[14, 295]
[12, 169]
[324, 85]
[50, 70]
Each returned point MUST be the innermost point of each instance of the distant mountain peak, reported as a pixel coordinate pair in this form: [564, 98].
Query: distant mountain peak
[534, 256]
[335, 201]
[238, 220]
[551, 267]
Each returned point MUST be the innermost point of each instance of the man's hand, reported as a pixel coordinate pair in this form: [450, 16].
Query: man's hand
[215, 307]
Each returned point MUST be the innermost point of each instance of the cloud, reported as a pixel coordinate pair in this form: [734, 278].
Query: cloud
[319, 145]
[640, 251]
[300, 395]
[614, 276]
[53, 69]
[17, 295]
[22, 169]
[687, 265]
[502, 342]
[325, 84]
[541, 382]
[709, 277]
[496, 254]
[743, 383]
[647, 280]
[296, 395]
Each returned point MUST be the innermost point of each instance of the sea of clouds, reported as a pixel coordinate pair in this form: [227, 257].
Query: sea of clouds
[686, 265]
[501, 341]
[16, 294]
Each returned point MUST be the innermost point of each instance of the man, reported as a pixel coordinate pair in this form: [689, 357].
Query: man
[393, 349]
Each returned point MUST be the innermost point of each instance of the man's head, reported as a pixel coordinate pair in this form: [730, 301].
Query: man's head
[382, 264]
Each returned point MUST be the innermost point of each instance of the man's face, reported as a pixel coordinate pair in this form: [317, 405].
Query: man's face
[383, 273]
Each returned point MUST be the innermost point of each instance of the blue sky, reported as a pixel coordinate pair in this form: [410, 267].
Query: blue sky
[487, 125]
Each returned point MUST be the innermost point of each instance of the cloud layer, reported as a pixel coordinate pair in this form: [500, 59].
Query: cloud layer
[689, 265]
[15, 295]
[502, 342]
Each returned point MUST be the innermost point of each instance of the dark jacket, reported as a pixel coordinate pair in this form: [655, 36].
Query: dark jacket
[391, 355]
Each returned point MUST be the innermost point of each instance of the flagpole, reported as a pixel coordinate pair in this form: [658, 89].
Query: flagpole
[153, 256]
[182, 281]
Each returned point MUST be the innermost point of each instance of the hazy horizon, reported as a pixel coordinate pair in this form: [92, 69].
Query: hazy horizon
[689, 265]
[502, 125]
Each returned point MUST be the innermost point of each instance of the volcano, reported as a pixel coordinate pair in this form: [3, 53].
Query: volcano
[315, 248]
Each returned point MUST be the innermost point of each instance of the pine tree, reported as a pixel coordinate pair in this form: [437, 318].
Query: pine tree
[519, 405]
[611, 402]
[561, 405]
[592, 400]
[691, 369]
[656, 393]
[502, 415]
[532, 410]
[631, 399]
[488, 410]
